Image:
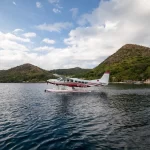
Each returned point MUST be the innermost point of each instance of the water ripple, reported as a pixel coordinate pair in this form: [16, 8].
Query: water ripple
[113, 117]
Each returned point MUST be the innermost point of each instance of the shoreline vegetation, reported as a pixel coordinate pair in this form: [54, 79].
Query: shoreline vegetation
[130, 64]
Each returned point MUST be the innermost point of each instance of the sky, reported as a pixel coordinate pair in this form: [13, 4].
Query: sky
[55, 34]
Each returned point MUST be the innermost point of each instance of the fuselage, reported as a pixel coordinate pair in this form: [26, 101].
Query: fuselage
[74, 82]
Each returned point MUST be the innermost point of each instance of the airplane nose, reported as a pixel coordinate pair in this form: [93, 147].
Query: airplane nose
[51, 80]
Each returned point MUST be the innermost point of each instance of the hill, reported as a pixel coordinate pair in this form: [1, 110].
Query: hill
[31, 73]
[130, 62]
[71, 72]
[25, 73]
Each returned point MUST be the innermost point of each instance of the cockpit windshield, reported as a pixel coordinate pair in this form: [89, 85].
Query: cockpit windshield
[60, 79]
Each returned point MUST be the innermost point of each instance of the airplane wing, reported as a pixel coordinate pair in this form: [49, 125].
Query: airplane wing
[56, 75]
[60, 76]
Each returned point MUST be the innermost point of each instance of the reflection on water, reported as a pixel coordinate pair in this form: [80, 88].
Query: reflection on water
[113, 117]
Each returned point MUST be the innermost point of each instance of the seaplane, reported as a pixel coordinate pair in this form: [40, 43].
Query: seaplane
[75, 85]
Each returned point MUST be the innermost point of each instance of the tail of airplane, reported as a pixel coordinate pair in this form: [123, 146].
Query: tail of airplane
[104, 80]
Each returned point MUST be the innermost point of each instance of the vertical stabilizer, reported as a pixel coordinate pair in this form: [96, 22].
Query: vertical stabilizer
[105, 78]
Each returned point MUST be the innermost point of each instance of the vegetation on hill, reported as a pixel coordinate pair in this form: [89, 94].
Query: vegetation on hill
[130, 62]
[25, 73]
[31, 73]
[70, 72]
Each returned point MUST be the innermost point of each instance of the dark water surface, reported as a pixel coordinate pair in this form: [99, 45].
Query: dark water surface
[116, 117]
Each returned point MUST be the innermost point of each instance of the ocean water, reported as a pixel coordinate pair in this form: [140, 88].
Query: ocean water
[116, 117]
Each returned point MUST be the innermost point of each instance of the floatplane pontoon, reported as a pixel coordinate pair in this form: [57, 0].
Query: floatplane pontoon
[75, 85]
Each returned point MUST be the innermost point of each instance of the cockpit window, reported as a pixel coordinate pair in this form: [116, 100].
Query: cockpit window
[60, 79]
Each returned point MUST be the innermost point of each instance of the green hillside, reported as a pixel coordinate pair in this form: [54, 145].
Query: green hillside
[130, 62]
[31, 73]
[25, 73]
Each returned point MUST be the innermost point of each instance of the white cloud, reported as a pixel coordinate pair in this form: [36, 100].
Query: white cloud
[14, 3]
[9, 41]
[9, 36]
[53, 1]
[12, 45]
[55, 10]
[16, 31]
[44, 48]
[38, 5]
[14, 58]
[29, 34]
[12, 52]
[48, 41]
[56, 27]
[74, 12]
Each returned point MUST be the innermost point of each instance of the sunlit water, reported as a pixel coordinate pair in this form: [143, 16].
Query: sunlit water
[116, 117]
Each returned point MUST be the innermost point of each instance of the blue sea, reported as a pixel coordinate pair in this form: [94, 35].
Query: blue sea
[116, 117]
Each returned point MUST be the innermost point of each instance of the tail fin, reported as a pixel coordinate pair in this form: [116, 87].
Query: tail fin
[105, 78]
